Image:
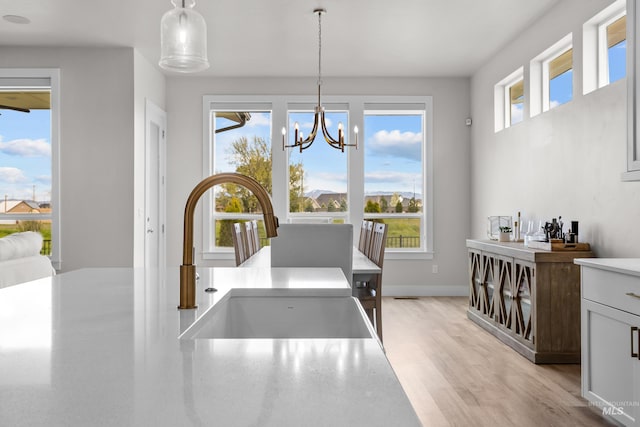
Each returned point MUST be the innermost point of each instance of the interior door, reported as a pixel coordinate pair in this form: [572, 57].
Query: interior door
[154, 248]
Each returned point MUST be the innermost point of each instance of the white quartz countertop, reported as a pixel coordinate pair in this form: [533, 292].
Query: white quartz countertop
[629, 266]
[100, 347]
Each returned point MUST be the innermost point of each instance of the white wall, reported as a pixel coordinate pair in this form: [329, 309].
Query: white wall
[149, 84]
[451, 165]
[566, 161]
[97, 139]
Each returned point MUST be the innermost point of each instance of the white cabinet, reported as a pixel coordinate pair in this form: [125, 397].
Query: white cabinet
[610, 313]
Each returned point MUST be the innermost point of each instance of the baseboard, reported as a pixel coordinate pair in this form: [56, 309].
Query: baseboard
[425, 291]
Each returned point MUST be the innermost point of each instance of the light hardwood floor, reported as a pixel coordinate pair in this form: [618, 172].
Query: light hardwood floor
[457, 374]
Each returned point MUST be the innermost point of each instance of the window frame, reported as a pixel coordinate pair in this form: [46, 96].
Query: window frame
[53, 77]
[539, 75]
[355, 161]
[502, 99]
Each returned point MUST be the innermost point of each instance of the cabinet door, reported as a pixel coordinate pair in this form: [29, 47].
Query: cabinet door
[503, 296]
[523, 297]
[475, 278]
[610, 364]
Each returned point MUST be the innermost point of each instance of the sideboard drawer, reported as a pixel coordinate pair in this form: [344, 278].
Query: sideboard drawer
[617, 290]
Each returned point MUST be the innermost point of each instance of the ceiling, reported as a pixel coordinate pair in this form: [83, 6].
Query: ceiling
[369, 38]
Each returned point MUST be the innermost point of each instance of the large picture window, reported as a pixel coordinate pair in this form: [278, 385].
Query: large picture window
[394, 174]
[241, 141]
[318, 181]
[28, 156]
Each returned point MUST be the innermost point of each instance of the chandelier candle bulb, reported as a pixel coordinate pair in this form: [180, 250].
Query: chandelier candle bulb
[284, 134]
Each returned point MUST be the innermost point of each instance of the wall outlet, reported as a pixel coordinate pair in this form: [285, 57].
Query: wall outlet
[434, 268]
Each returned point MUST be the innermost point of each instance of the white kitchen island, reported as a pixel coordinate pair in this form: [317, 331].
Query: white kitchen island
[100, 347]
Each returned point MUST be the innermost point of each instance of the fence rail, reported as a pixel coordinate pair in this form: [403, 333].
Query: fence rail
[403, 241]
[46, 248]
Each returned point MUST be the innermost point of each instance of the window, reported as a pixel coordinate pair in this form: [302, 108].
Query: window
[318, 176]
[615, 61]
[387, 179]
[605, 47]
[29, 156]
[552, 77]
[509, 100]
[559, 81]
[394, 174]
[241, 142]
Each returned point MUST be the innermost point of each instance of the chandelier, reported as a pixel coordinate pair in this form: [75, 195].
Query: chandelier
[183, 39]
[319, 118]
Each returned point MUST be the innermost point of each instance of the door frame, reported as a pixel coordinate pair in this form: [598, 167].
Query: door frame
[155, 115]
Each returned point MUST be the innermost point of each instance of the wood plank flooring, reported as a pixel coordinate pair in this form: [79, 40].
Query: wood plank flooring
[457, 374]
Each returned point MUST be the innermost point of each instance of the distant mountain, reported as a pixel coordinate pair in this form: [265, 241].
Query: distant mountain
[313, 194]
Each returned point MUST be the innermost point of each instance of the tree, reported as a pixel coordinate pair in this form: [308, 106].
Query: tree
[296, 174]
[413, 205]
[372, 207]
[399, 207]
[253, 160]
[308, 206]
[343, 205]
[331, 206]
[225, 237]
[384, 205]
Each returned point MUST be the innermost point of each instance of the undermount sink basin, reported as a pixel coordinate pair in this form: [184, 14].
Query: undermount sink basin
[282, 317]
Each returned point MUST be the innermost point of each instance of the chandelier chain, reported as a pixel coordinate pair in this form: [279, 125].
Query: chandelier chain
[319, 48]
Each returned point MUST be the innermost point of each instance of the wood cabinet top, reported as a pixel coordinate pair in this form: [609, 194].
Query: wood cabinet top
[520, 251]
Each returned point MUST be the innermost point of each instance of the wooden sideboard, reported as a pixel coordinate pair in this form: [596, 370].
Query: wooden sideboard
[527, 298]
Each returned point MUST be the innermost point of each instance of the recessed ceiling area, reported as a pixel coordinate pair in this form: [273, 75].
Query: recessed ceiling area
[256, 38]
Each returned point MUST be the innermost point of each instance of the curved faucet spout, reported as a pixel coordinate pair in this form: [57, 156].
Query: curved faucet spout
[188, 268]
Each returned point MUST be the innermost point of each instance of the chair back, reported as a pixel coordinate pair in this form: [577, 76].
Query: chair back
[256, 235]
[251, 243]
[239, 243]
[378, 244]
[365, 236]
[314, 245]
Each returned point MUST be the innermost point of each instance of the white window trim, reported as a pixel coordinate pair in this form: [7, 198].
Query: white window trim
[539, 76]
[53, 75]
[355, 170]
[595, 52]
[502, 99]
[603, 49]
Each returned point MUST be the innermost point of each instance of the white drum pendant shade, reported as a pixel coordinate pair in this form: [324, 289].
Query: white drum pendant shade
[183, 37]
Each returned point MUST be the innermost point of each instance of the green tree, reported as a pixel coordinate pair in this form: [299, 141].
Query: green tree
[226, 225]
[296, 174]
[331, 206]
[384, 205]
[399, 207]
[308, 206]
[253, 160]
[413, 205]
[372, 207]
[343, 205]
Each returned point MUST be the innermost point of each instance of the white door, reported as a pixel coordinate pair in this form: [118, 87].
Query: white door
[154, 247]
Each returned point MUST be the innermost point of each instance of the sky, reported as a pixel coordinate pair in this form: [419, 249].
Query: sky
[25, 155]
[392, 145]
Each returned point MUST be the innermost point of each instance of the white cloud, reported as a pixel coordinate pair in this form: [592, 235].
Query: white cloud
[392, 177]
[259, 119]
[26, 148]
[397, 144]
[517, 113]
[309, 125]
[12, 175]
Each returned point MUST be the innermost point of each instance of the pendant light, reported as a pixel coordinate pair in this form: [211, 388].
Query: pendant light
[183, 39]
